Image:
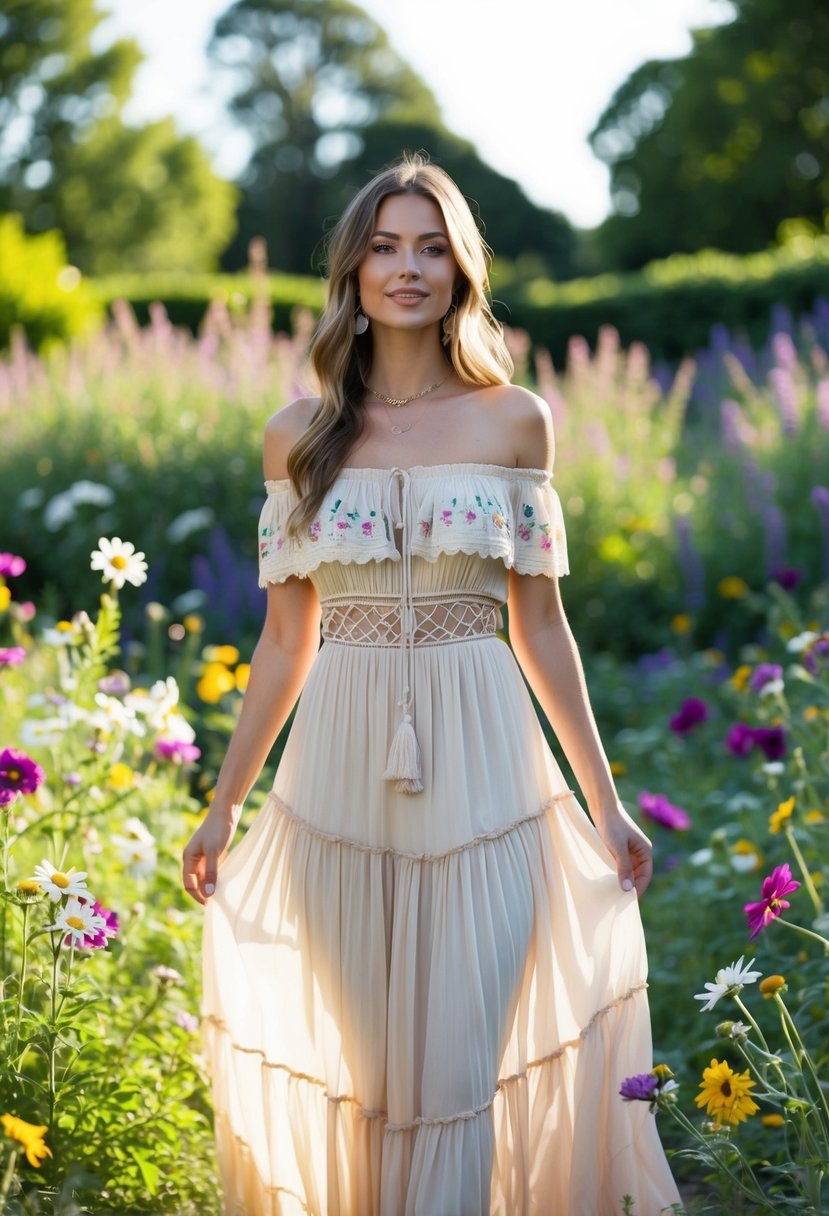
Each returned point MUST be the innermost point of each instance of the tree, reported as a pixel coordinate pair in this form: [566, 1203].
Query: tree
[328, 102]
[124, 197]
[717, 149]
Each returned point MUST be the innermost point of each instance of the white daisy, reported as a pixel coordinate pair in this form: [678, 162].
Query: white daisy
[112, 713]
[726, 979]
[78, 919]
[771, 688]
[155, 704]
[137, 848]
[802, 641]
[119, 562]
[57, 883]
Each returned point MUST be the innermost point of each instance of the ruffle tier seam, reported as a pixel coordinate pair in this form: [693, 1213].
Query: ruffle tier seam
[436, 1120]
[383, 850]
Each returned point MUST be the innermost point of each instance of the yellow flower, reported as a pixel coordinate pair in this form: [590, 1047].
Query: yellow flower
[771, 984]
[681, 623]
[812, 817]
[30, 1135]
[617, 768]
[725, 1094]
[215, 681]
[746, 848]
[193, 623]
[5, 597]
[741, 677]
[812, 713]
[733, 587]
[228, 655]
[772, 1121]
[781, 816]
[121, 777]
[713, 657]
[28, 890]
[662, 1071]
[242, 674]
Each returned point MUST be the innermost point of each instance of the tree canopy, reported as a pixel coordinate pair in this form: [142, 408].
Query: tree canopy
[327, 101]
[718, 148]
[124, 197]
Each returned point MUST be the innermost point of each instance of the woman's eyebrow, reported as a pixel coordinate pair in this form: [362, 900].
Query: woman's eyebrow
[395, 236]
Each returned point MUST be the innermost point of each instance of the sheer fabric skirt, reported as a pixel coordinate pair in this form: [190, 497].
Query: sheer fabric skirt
[424, 1005]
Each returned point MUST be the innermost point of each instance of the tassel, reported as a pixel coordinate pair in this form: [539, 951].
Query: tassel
[403, 764]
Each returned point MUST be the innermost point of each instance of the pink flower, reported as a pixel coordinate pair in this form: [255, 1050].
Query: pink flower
[546, 543]
[425, 527]
[524, 532]
[691, 713]
[11, 565]
[342, 524]
[778, 884]
[11, 656]
[187, 1021]
[177, 750]
[98, 939]
[470, 517]
[660, 810]
[19, 774]
[368, 527]
[446, 516]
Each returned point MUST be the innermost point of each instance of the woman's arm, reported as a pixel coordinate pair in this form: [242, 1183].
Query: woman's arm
[545, 648]
[283, 656]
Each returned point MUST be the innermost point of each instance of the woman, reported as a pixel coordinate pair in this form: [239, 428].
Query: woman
[424, 969]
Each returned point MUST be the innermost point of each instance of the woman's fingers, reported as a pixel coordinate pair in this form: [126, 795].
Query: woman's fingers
[192, 871]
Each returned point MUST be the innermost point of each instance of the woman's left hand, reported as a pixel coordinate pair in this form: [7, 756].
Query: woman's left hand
[631, 849]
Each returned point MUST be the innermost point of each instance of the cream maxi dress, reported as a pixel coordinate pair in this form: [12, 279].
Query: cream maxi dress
[423, 1004]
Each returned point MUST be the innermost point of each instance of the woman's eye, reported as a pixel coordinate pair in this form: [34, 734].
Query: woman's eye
[381, 247]
[435, 249]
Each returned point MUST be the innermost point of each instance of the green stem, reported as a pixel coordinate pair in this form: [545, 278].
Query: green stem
[21, 984]
[757, 1029]
[710, 1155]
[804, 870]
[8, 1175]
[4, 815]
[807, 932]
[788, 1021]
[53, 1036]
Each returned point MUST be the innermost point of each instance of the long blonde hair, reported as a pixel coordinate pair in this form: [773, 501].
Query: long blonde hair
[341, 360]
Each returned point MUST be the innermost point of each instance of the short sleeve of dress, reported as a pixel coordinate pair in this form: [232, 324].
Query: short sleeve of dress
[539, 538]
[279, 557]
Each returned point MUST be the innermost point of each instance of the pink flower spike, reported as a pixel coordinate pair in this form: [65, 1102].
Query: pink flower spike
[767, 909]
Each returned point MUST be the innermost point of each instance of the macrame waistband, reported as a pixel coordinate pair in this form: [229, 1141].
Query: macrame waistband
[429, 621]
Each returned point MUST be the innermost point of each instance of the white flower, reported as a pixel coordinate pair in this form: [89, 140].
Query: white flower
[727, 978]
[771, 688]
[701, 857]
[168, 975]
[744, 863]
[137, 848]
[119, 562]
[774, 768]
[738, 1030]
[190, 521]
[57, 883]
[114, 713]
[41, 732]
[802, 641]
[157, 704]
[78, 919]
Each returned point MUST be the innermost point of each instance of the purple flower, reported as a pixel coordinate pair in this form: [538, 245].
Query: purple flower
[787, 577]
[771, 740]
[818, 649]
[19, 774]
[691, 713]
[11, 656]
[187, 1021]
[778, 884]
[763, 674]
[177, 751]
[660, 810]
[11, 565]
[640, 1088]
[740, 739]
[98, 939]
[115, 684]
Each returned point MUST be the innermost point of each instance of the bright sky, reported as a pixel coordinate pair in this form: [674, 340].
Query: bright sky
[523, 80]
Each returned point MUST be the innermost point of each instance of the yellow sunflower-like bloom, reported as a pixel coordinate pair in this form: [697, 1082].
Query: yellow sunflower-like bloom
[30, 1135]
[779, 818]
[772, 1121]
[725, 1093]
[681, 623]
[215, 681]
[771, 984]
[733, 587]
[120, 777]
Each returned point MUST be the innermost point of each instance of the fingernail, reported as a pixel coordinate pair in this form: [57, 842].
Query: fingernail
[209, 888]
[627, 885]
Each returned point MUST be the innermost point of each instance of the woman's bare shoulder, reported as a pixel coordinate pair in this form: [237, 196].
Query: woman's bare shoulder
[528, 422]
[282, 430]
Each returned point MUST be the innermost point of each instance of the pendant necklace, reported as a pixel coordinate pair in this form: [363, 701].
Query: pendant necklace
[398, 428]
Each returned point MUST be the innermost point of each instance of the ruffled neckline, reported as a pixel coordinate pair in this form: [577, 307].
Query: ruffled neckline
[423, 471]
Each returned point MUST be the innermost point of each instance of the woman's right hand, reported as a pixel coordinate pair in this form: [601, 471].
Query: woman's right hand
[205, 850]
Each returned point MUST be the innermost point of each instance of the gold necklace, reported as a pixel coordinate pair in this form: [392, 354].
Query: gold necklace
[398, 401]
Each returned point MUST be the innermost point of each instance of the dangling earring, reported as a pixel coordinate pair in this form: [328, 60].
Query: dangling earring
[360, 322]
[449, 322]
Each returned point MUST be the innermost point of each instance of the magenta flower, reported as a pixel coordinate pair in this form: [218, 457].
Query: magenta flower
[787, 577]
[640, 1088]
[660, 810]
[177, 751]
[98, 939]
[763, 674]
[11, 656]
[770, 739]
[19, 774]
[11, 565]
[765, 910]
[691, 713]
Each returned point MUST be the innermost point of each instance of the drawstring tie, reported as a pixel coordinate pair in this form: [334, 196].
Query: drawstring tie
[403, 765]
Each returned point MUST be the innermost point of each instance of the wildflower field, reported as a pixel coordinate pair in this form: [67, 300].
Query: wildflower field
[697, 507]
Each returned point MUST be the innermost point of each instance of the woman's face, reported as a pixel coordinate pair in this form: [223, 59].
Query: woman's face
[408, 274]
